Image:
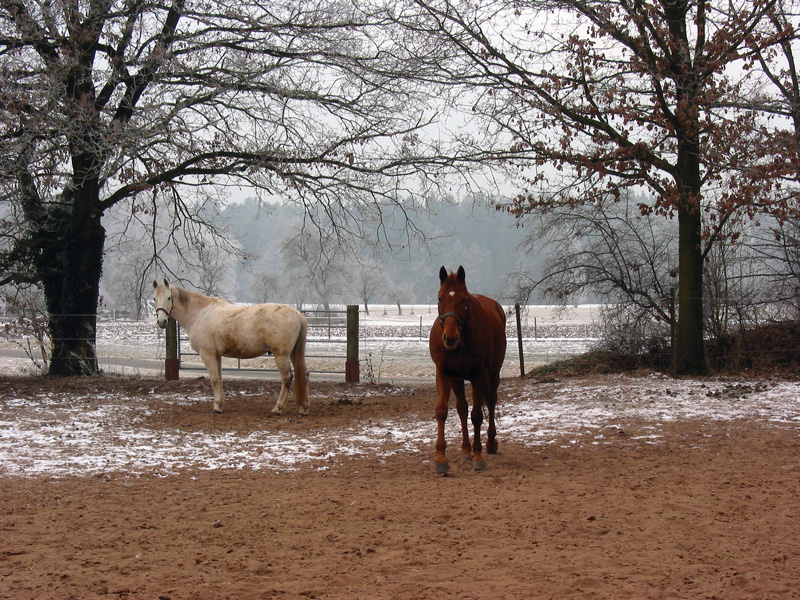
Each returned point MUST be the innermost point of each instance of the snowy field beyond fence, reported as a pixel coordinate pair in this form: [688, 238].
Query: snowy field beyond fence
[393, 343]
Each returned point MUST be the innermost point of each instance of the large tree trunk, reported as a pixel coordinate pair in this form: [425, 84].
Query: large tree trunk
[690, 353]
[71, 269]
[690, 345]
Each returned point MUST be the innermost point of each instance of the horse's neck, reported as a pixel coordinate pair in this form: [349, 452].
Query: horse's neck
[473, 307]
[474, 310]
[187, 305]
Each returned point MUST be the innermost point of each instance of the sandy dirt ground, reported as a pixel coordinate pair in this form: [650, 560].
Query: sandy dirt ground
[710, 510]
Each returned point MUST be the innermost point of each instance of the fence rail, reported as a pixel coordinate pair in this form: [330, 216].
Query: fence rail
[389, 343]
[322, 325]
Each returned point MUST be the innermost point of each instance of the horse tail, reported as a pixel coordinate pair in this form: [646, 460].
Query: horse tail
[299, 360]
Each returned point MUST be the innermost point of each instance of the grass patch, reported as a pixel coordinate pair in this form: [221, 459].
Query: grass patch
[768, 349]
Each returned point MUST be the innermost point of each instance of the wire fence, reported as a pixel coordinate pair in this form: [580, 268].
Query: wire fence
[392, 340]
[573, 328]
[392, 343]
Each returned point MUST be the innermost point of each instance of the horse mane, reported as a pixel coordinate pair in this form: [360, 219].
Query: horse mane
[186, 296]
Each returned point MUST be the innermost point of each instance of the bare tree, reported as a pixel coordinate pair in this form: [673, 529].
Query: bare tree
[214, 270]
[369, 279]
[315, 264]
[767, 271]
[145, 244]
[590, 98]
[126, 273]
[146, 107]
[265, 287]
[607, 249]
[27, 320]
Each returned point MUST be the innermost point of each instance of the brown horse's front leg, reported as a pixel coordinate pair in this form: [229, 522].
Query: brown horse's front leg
[463, 410]
[443, 386]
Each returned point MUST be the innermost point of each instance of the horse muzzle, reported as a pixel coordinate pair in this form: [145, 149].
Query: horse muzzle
[162, 317]
[451, 343]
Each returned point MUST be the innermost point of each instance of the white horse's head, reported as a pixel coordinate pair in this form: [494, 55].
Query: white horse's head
[162, 295]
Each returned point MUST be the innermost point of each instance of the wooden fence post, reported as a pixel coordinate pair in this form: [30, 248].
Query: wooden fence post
[351, 367]
[519, 342]
[172, 363]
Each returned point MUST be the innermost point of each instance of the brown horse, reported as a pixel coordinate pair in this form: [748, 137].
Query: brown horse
[468, 342]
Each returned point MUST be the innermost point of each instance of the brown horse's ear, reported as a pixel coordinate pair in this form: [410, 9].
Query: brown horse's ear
[442, 274]
[462, 275]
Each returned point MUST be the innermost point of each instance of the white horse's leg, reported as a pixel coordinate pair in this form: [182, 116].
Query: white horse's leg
[213, 365]
[285, 369]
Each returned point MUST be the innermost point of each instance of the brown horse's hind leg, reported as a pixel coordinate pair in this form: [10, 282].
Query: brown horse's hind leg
[285, 370]
[478, 398]
[491, 402]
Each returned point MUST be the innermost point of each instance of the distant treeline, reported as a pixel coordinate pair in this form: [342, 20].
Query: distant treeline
[474, 235]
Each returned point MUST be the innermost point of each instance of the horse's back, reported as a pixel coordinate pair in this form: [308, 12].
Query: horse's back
[252, 330]
[493, 307]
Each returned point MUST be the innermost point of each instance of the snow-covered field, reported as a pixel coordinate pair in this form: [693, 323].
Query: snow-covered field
[396, 346]
[70, 434]
[67, 434]
[393, 343]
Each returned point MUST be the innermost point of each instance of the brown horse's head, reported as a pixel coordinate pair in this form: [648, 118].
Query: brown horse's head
[453, 312]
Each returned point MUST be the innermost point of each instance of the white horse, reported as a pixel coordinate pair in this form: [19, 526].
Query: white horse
[216, 328]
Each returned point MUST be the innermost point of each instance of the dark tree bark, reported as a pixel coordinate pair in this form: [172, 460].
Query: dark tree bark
[66, 251]
[689, 340]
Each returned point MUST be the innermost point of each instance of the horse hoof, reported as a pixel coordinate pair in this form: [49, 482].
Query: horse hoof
[303, 413]
[492, 447]
[276, 412]
[442, 468]
[466, 458]
[216, 410]
[478, 465]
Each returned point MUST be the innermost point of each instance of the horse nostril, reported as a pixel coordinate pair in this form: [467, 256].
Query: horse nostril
[450, 342]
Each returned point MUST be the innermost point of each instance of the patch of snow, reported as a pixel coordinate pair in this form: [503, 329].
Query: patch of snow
[58, 436]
